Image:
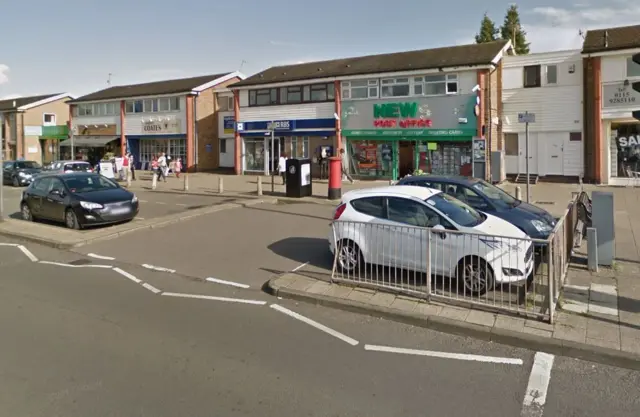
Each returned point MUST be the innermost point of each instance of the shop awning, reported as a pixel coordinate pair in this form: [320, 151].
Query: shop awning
[89, 141]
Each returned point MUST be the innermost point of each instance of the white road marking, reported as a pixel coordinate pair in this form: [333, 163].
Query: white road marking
[300, 267]
[315, 324]
[15, 245]
[106, 258]
[223, 282]
[159, 268]
[160, 202]
[28, 253]
[127, 275]
[151, 288]
[180, 204]
[212, 298]
[444, 355]
[142, 201]
[535, 396]
[139, 218]
[76, 266]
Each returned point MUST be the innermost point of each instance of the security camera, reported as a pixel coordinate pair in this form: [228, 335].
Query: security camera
[476, 88]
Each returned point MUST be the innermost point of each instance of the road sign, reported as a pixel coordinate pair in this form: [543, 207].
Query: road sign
[526, 117]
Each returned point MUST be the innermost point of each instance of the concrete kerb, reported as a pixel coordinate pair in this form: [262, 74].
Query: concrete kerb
[106, 234]
[559, 347]
[248, 196]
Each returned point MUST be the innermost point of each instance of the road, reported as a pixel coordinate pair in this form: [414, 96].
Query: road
[86, 340]
[152, 204]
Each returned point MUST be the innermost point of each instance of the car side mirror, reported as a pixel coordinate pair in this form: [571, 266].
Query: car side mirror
[439, 229]
[56, 192]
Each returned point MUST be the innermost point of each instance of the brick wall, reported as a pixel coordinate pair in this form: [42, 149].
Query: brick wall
[207, 127]
[592, 119]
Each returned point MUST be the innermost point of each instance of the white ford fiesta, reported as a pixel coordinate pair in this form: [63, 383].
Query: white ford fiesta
[390, 226]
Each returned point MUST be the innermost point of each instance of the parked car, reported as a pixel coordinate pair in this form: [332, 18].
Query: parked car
[61, 167]
[479, 194]
[382, 215]
[19, 173]
[79, 200]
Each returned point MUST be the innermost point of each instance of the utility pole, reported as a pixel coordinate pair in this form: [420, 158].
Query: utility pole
[527, 118]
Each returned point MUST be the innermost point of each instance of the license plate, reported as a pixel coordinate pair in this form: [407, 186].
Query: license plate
[120, 210]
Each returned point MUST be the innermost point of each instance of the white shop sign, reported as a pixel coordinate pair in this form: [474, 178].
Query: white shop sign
[161, 126]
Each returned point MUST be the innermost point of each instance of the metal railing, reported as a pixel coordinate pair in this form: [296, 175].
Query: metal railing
[505, 274]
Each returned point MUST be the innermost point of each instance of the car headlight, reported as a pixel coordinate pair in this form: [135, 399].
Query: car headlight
[22, 174]
[90, 206]
[134, 199]
[541, 227]
[495, 243]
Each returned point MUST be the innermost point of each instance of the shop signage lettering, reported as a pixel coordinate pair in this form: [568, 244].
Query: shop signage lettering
[172, 126]
[281, 125]
[622, 96]
[619, 95]
[628, 141]
[394, 115]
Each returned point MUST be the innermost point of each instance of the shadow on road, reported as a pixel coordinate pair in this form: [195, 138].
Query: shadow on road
[312, 251]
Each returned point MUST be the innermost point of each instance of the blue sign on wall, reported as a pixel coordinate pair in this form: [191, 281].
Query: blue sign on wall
[289, 125]
[229, 124]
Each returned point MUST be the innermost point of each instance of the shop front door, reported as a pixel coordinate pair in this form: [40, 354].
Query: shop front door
[274, 151]
[406, 158]
[533, 153]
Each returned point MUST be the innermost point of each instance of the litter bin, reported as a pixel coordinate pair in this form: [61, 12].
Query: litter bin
[298, 178]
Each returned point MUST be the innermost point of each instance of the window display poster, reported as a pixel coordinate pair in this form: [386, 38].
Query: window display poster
[371, 159]
[626, 155]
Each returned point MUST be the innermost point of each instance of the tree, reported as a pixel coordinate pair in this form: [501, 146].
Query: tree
[511, 29]
[488, 30]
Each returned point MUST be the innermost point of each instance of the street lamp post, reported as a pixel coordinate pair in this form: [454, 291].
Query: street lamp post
[268, 161]
[1, 173]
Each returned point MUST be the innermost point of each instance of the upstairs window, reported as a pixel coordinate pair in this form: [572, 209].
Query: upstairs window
[264, 97]
[633, 69]
[395, 87]
[435, 85]
[360, 89]
[532, 76]
[552, 74]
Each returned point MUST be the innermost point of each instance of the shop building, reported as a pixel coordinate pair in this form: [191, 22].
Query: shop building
[178, 117]
[549, 86]
[392, 113]
[31, 128]
[612, 135]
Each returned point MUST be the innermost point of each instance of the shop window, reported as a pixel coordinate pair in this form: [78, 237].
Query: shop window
[254, 154]
[360, 89]
[299, 147]
[511, 144]
[294, 95]
[531, 76]
[319, 92]
[371, 206]
[225, 103]
[163, 104]
[625, 149]
[111, 109]
[134, 106]
[395, 87]
[174, 104]
[85, 109]
[128, 107]
[49, 119]
[633, 69]
[147, 106]
[552, 74]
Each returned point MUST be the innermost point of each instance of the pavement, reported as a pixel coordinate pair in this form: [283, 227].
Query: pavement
[86, 340]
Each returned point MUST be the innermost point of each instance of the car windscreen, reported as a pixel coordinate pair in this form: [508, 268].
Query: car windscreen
[27, 165]
[455, 210]
[495, 194]
[88, 183]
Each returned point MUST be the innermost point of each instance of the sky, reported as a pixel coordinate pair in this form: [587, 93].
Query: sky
[76, 46]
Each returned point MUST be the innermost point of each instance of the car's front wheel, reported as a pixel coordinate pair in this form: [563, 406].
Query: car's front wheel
[26, 213]
[71, 220]
[349, 256]
[476, 275]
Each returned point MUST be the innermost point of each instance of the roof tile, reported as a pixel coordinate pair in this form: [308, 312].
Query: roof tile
[8, 104]
[611, 39]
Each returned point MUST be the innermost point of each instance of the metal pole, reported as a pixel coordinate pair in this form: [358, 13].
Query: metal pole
[526, 140]
[73, 154]
[1, 173]
[273, 154]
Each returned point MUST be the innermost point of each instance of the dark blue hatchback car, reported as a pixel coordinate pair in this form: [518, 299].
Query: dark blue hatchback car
[534, 221]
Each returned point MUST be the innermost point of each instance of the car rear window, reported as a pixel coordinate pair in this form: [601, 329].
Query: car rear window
[77, 167]
[371, 206]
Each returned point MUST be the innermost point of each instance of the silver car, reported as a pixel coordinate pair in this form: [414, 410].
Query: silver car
[62, 167]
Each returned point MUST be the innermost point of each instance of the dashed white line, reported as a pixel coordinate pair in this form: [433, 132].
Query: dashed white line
[158, 268]
[445, 355]
[535, 396]
[143, 201]
[75, 266]
[223, 282]
[300, 267]
[106, 258]
[180, 204]
[15, 245]
[212, 298]
[28, 253]
[160, 202]
[151, 288]
[127, 275]
[315, 324]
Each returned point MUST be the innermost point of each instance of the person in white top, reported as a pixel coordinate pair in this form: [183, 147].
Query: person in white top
[162, 166]
[282, 167]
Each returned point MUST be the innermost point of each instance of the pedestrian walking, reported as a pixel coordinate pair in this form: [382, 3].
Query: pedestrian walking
[344, 163]
[162, 166]
[126, 172]
[154, 173]
[282, 167]
[177, 167]
[132, 167]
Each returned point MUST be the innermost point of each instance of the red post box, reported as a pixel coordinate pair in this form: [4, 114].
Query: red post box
[335, 178]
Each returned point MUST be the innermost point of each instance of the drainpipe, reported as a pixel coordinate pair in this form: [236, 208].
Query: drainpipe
[22, 139]
[195, 131]
[490, 125]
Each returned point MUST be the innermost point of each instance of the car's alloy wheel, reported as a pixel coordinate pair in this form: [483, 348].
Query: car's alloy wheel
[71, 220]
[26, 212]
[348, 256]
[476, 276]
